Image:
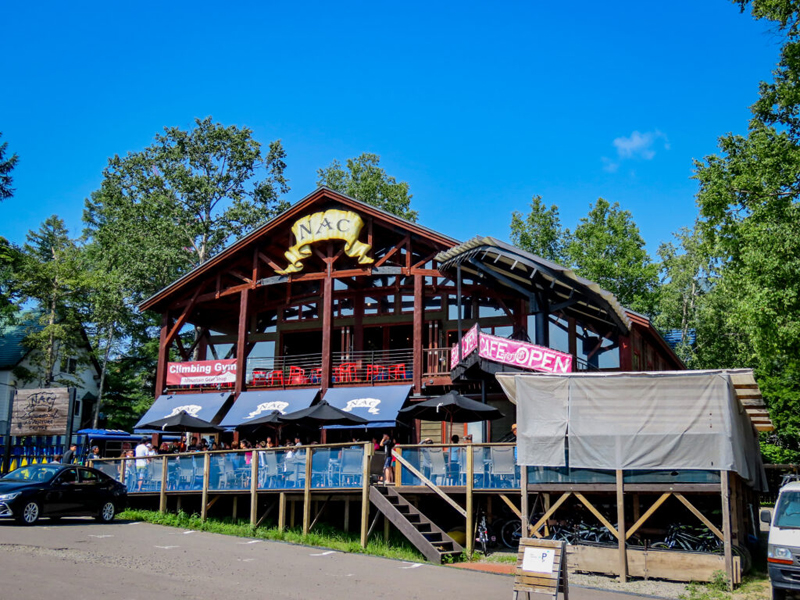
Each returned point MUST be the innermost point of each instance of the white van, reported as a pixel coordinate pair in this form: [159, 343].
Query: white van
[783, 552]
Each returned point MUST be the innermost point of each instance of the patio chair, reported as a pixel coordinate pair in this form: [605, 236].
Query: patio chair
[260, 377]
[297, 376]
[376, 372]
[227, 473]
[397, 371]
[320, 468]
[439, 473]
[351, 471]
[503, 467]
[185, 474]
[269, 473]
[275, 378]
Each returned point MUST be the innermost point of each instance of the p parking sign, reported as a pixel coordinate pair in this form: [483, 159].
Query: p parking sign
[541, 568]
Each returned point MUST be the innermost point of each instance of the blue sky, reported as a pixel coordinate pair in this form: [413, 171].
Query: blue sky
[477, 106]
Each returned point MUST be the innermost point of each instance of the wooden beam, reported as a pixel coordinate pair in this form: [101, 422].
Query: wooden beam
[621, 537]
[206, 477]
[368, 450]
[389, 254]
[648, 513]
[726, 526]
[548, 513]
[430, 484]
[511, 505]
[416, 336]
[282, 511]
[241, 341]
[700, 516]
[470, 481]
[254, 489]
[307, 493]
[597, 514]
[162, 501]
[327, 326]
[183, 316]
[163, 355]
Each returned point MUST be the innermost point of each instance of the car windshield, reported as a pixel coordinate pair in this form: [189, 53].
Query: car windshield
[33, 473]
[787, 512]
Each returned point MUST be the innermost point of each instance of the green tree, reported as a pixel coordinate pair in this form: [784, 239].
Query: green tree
[51, 276]
[539, 232]
[182, 199]
[606, 248]
[363, 179]
[748, 201]
[6, 166]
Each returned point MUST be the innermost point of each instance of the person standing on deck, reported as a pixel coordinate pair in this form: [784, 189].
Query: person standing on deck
[387, 443]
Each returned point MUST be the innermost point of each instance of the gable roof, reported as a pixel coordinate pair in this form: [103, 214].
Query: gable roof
[12, 351]
[286, 217]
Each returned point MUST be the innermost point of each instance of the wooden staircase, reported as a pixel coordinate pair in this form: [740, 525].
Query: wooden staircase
[419, 529]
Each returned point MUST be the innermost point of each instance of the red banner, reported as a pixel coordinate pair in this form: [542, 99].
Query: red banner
[201, 372]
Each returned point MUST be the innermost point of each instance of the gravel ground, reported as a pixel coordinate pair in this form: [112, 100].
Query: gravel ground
[650, 587]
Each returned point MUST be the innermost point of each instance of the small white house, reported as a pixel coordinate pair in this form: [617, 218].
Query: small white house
[80, 371]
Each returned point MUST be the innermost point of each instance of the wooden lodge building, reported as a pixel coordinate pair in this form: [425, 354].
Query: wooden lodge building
[335, 293]
[335, 299]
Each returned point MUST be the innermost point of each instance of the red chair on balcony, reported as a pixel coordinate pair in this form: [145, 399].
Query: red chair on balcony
[376, 372]
[315, 375]
[260, 377]
[297, 376]
[397, 371]
[275, 378]
[346, 372]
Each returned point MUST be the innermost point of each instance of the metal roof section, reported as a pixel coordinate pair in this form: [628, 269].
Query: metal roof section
[528, 273]
[12, 350]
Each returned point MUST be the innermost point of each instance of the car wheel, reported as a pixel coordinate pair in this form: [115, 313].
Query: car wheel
[107, 512]
[30, 513]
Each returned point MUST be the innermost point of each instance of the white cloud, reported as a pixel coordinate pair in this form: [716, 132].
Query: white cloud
[637, 146]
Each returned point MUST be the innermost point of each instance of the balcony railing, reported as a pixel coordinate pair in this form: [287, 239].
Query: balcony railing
[347, 367]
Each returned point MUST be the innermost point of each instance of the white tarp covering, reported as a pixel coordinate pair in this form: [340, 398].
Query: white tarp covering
[664, 420]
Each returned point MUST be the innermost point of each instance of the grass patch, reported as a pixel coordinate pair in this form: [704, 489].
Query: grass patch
[754, 587]
[323, 536]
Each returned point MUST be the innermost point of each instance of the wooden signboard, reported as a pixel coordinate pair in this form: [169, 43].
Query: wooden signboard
[541, 568]
[40, 412]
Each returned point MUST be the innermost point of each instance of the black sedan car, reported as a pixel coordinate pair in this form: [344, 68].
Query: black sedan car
[56, 490]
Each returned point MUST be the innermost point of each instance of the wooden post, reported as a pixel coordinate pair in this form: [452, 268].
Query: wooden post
[419, 315]
[282, 511]
[162, 501]
[523, 508]
[307, 493]
[726, 526]
[637, 508]
[398, 469]
[163, 355]
[347, 514]
[470, 515]
[206, 477]
[254, 488]
[327, 325]
[621, 539]
[386, 525]
[546, 509]
[235, 514]
[368, 449]
[241, 341]
[292, 510]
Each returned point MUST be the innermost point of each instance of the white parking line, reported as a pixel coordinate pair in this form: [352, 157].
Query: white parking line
[166, 547]
[412, 566]
[245, 559]
[324, 553]
[101, 536]
[250, 542]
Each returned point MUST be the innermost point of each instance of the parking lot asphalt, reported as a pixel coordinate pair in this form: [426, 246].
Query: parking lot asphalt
[83, 560]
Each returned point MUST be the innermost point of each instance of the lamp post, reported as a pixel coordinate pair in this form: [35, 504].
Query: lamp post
[7, 435]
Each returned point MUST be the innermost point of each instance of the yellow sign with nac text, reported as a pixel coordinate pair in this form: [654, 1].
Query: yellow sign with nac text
[332, 224]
